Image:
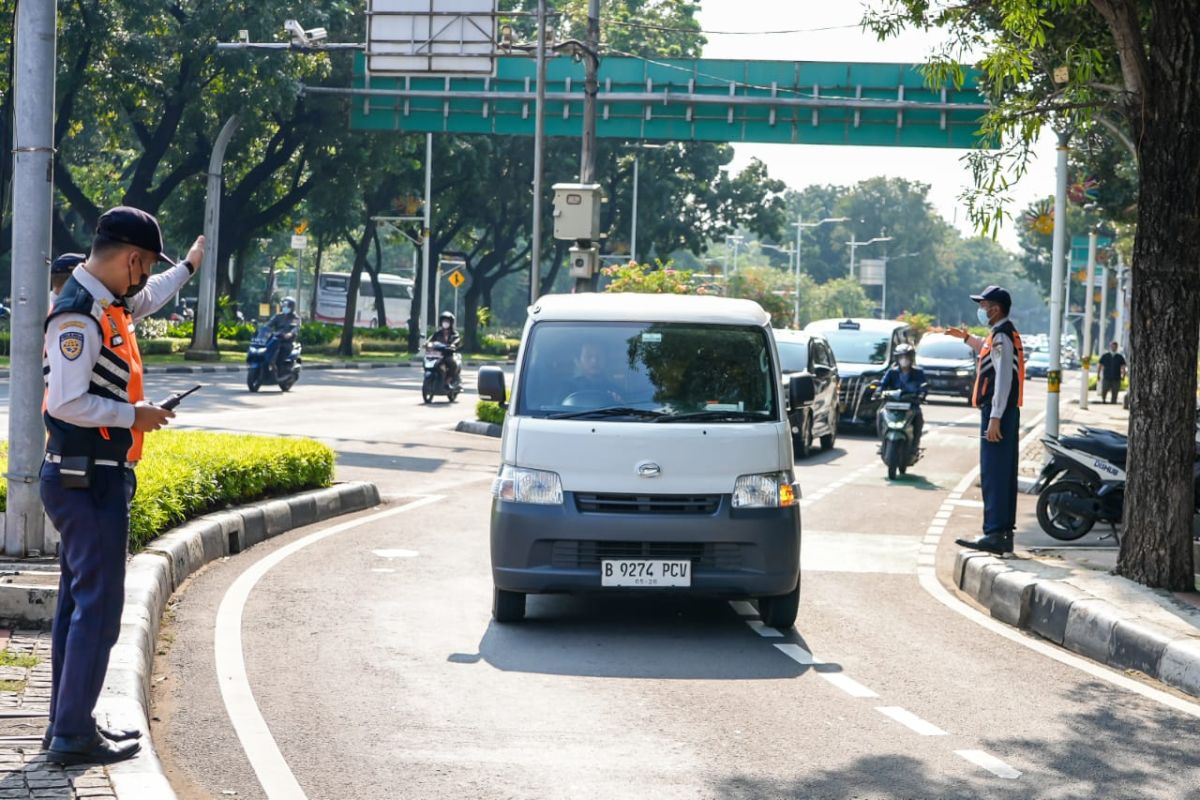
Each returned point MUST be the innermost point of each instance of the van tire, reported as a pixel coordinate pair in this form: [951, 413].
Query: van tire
[507, 606]
[830, 439]
[780, 611]
[802, 441]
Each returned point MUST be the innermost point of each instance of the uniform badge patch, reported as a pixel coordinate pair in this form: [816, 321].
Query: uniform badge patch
[71, 345]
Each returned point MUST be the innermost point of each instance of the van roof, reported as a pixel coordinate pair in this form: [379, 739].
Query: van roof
[861, 323]
[632, 307]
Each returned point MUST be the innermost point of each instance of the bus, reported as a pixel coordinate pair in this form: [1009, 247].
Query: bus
[331, 300]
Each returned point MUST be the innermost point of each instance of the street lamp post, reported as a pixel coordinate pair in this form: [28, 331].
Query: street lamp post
[736, 242]
[800, 226]
[854, 244]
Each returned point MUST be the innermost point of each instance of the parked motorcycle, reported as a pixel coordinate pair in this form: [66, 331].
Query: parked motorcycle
[262, 362]
[439, 359]
[1083, 482]
[899, 448]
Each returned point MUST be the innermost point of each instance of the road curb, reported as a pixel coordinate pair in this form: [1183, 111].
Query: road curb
[479, 428]
[1079, 621]
[153, 575]
[205, 369]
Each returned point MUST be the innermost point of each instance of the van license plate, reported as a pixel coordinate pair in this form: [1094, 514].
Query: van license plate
[645, 573]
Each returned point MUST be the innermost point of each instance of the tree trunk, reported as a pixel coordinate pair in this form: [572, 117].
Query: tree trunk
[380, 305]
[1156, 549]
[312, 306]
[470, 319]
[361, 249]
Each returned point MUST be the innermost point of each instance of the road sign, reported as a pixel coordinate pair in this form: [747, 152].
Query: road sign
[299, 242]
[685, 100]
[302, 228]
[871, 271]
[457, 279]
[1079, 253]
[423, 37]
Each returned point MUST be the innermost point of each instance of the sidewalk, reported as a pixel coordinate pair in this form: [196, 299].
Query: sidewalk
[1066, 592]
[200, 368]
[24, 699]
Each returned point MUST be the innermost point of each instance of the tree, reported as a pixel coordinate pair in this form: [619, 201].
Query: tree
[1129, 67]
[647, 279]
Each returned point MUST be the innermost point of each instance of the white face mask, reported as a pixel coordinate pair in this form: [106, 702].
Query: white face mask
[446, 325]
[905, 361]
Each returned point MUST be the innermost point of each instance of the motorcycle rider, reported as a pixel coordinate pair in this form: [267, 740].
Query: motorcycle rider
[284, 326]
[906, 376]
[447, 334]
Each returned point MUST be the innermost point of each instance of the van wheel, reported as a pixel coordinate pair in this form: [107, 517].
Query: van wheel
[507, 606]
[780, 612]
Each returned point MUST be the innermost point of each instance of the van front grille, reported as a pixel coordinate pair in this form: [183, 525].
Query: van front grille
[647, 503]
[573, 554]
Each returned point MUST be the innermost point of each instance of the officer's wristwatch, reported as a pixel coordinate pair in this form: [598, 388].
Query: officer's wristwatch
[191, 269]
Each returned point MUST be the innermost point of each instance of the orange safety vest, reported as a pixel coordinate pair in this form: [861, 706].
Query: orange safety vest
[116, 375]
[985, 373]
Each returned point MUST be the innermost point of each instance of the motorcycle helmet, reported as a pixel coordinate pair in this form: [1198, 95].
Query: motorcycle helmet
[906, 354]
[444, 317]
[288, 306]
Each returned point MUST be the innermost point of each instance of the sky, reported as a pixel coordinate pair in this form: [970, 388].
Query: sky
[803, 165]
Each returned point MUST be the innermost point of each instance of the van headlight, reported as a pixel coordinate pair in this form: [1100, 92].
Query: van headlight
[962, 373]
[770, 490]
[518, 485]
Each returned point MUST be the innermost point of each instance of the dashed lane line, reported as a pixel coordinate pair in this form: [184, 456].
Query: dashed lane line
[910, 721]
[989, 762]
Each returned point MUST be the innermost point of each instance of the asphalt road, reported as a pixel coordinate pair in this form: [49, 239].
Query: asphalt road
[371, 657]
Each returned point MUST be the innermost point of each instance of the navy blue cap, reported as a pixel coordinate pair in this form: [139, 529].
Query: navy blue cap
[994, 294]
[64, 264]
[129, 225]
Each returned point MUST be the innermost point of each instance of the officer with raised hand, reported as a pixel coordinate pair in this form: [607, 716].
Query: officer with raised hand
[998, 394]
[95, 420]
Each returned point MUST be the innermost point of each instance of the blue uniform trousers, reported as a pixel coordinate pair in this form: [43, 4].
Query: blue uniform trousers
[998, 472]
[94, 526]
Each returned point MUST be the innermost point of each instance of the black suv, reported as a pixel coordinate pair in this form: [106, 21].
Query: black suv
[809, 354]
[949, 365]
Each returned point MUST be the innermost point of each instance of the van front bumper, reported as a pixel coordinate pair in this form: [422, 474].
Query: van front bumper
[734, 552]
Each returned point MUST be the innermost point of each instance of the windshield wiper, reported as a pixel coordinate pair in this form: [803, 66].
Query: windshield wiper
[609, 411]
[714, 415]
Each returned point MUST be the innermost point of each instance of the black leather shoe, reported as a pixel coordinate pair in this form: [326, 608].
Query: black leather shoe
[996, 543]
[112, 734]
[94, 749]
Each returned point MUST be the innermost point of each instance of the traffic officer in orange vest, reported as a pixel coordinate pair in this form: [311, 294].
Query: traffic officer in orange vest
[999, 391]
[95, 420]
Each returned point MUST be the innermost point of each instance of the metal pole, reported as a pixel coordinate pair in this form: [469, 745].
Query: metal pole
[32, 188]
[456, 302]
[796, 297]
[1085, 358]
[883, 300]
[1122, 289]
[1102, 344]
[427, 226]
[437, 292]
[591, 88]
[853, 246]
[206, 305]
[539, 146]
[1057, 273]
[633, 233]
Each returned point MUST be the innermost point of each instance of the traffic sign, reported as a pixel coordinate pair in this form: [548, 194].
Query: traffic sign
[457, 279]
[798, 102]
[299, 242]
[1079, 252]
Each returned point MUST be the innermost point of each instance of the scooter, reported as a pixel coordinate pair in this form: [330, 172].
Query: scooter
[438, 358]
[262, 365]
[899, 448]
[1083, 482]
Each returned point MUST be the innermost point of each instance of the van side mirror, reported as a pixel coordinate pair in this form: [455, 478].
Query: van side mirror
[821, 371]
[801, 390]
[491, 385]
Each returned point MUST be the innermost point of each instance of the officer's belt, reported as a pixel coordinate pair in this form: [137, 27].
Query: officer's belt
[55, 458]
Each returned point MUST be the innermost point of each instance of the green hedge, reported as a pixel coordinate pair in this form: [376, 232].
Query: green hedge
[184, 474]
[489, 411]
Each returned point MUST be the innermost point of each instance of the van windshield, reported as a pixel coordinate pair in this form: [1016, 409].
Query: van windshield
[859, 347]
[647, 372]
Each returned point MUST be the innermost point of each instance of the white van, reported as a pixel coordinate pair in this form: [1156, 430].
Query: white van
[646, 448]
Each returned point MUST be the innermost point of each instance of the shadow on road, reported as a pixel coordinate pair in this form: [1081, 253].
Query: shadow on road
[637, 637]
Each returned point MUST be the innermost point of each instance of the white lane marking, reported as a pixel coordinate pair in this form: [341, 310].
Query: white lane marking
[396, 553]
[847, 684]
[910, 721]
[383, 570]
[966, 503]
[762, 630]
[261, 750]
[990, 763]
[929, 582]
[744, 608]
[796, 653]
